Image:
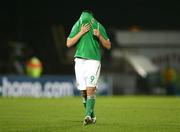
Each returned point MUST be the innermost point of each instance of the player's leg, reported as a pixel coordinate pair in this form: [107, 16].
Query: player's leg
[90, 100]
[84, 97]
[90, 104]
[92, 75]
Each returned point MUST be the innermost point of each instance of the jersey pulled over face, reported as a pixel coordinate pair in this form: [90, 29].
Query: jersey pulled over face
[88, 45]
[86, 18]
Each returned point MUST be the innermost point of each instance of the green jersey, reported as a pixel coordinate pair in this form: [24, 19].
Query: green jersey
[88, 45]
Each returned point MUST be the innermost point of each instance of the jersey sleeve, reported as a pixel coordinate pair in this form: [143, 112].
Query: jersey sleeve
[74, 30]
[103, 32]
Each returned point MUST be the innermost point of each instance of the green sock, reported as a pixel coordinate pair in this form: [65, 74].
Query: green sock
[90, 105]
[84, 103]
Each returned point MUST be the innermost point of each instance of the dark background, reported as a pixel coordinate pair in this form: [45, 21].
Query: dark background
[30, 23]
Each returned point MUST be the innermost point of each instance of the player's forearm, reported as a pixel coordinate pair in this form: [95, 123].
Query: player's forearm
[104, 42]
[72, 41]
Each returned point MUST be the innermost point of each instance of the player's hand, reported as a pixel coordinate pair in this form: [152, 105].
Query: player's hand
[96, 32]
[85, 28]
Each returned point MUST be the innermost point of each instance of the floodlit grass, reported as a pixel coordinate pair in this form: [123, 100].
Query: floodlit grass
[114, 114]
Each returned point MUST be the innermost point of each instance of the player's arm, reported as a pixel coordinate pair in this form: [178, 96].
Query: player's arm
[71, 41]
[104, 42]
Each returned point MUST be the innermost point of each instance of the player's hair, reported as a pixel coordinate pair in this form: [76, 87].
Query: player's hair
[88, 11]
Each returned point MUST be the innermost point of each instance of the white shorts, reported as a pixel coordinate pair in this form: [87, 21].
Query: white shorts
[87, 73]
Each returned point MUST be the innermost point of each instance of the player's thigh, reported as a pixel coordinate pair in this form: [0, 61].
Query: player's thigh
[78, 68]
[79, 72]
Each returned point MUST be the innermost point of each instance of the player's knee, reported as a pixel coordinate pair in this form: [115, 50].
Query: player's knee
[91, 91]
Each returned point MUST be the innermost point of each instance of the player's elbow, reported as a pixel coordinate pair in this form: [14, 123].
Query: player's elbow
[68, 43]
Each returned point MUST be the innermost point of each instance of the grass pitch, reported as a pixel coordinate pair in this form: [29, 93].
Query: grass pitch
[114, 114]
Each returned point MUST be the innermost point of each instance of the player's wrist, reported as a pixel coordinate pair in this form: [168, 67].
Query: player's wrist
[81, 33]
